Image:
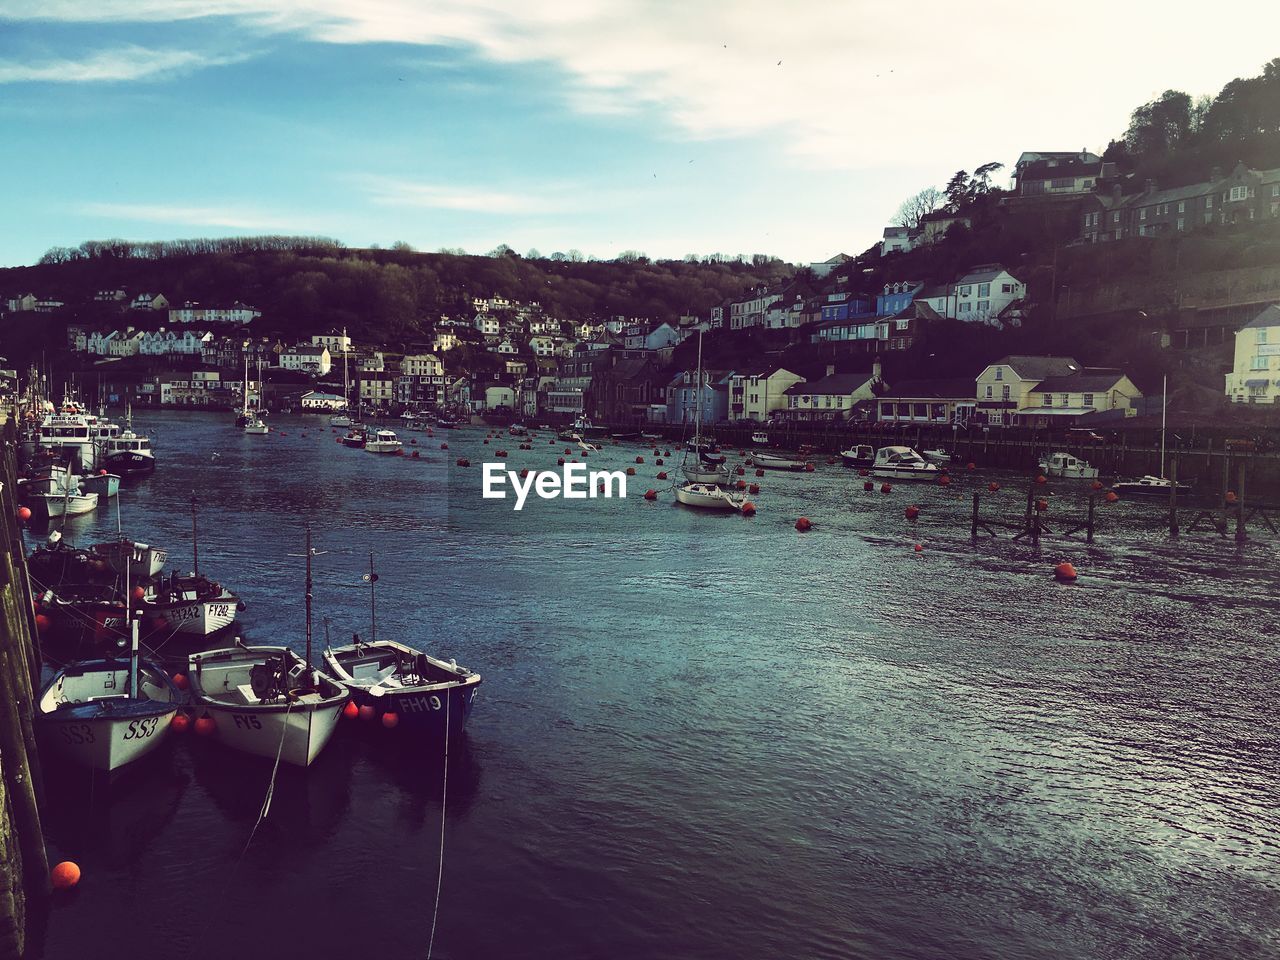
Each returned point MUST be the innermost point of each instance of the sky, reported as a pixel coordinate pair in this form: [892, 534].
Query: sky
[668, 127]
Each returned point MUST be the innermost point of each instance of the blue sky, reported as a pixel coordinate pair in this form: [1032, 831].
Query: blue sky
[667, 127]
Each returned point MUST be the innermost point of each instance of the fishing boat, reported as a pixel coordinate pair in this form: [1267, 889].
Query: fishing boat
[267, 700]
[446, 423]
[425, 694]
[903, 463]
[71, 503]
[191, 604]
[105, 485]
[706, 466]
[355, 437]
[138, 561]
[69, 436]
[937, 455]
[769, 461]
[104, 714]
[709, 496]
[1062, 464]
[52, 478]
[861, 455]
[128, 455]
[583, 428]
[385, 442]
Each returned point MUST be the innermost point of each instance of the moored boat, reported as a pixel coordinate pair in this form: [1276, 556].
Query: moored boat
[105, 485]
[861, 455]
[1067, 466]
[1149, 486]
[708, 496]
[706, 473]
[357, 436]
[903, 463]
[771, 461]
[759, 437]
[128, 455]
[69, 504]
[144, 561]
[937, 455]
[384, 441]
[192, 604]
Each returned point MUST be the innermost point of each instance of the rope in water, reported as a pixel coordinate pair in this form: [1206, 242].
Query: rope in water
[444, 794]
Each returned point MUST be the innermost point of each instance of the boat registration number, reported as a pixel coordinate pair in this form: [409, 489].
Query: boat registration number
[141, 729]
[77, 733]
[247, 721]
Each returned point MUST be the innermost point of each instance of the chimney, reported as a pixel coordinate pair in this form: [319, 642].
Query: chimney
[875, 370]
[1117, 191]
[1149, 185]
[1215, 174]
[831, 369]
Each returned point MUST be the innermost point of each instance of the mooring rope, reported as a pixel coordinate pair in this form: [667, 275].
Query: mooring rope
[444, 796]
[271, 784]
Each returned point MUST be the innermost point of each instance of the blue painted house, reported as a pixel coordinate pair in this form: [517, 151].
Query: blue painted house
[896, 297]
[682, 397]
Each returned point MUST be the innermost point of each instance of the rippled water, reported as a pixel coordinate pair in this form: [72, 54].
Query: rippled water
[706, 736]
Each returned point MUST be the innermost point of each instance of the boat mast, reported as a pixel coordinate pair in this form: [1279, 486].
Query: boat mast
[373, 605]
[195, 540]
[308, 598]
[346, 379]
[131, 624]
[697, 417]
[244, 406]
[1164, 406]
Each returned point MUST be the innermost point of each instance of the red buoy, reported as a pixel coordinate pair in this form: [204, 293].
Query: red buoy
[740, 471]
[639, 459]
[1231, 496]
[1065, 572]
[662, 475]
[205, 726]
[180, 723]
[524, 472]
[43, 623]
[808, 468]
[24, 514]
[868, 486]
[759, 473]
[1096, 485]
[416, 455]
[944, 481]
[919, 548]
[804, 524]
[912, 512]
[1111, 496]
[391, 719]
[65, 875]
[351, 711]
[138, 593]
[741, 485]
[631, 471]
[748, 509]
[1042, 479]
[993, 486]
[180, 681]
[463, 462]
[559, 461]
[660, 461]
[651, 494]
[754, 488]
[444, 446]
[972, 465]
[1042, 505]
[366, 712]
[886, 488]
[863, 471]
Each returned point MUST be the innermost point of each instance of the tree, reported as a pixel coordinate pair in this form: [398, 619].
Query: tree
[916, 207]
[1161, 126]
[957, 190]
[981, 182]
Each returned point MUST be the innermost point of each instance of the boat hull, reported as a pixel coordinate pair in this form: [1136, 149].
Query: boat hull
[707, 499]
[130, 464]
[695, 475]
[60, 505]
[383, 447]
[105, 485]
[924, 474]
[297, 734]
[199, 617]
[767, 462]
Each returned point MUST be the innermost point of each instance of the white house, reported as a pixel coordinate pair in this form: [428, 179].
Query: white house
[125, 344]
[824, 268]
[750, 312]
[237, 313]
[662, 336]
[983, 292]
[335, 343]
[833, 397]
[756, 394]
[149, 301]
[487, 325]
[421, 365]
[315, 400]
[499, 396]
[99, 342]
[1255, 373]
[543, 346]
[306, 359]
[444, 341]
[899, 240]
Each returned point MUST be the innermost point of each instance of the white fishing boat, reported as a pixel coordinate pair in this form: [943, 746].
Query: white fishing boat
[105, 485]
[937, 455]
[70, 436]
[759, 437]
[267, 700]
[903, 463]
[191, 604]
[709, 496]
[769, 461]
[55, 479]
[340, 420]
[861, 455]
[106, 713]
[385, 442]
[128, 454]
[68, 504]
[138, 561]
[1062, 464]
[255, 427]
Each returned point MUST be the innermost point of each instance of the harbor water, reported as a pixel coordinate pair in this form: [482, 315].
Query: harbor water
[700, 735]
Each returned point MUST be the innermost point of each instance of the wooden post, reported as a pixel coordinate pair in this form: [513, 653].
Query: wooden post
[1173, 497]
[1226, 486]
[1088, 536]
[1031, 505]
[973, 522]
[1240, 471]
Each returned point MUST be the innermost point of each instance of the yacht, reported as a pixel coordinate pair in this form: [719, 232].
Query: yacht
[861, 455]
[1149, 486]
[384, 441]
[1062, 464]
[709, 496]
[903, 463]
[769, 461]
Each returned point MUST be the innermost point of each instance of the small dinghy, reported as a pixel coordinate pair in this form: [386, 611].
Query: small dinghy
[105, 485]
[418, 689]
[769, 461]
[104, 714]
[268, 701]
[65, 504]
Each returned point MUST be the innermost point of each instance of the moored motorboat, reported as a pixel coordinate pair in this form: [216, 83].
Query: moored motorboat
[769, 461]
[423, 693]
[861, 455]
[128, 455]
[903, 463]
[759, 437]
[144, 561]
[105, 485]
[69, 504]
[1149, 486]
[384, 441]
[708, 496]
[1067, 466]
[340, 420]
[937, 455]
[357, 436]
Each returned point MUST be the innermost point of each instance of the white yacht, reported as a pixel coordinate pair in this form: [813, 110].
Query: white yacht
[903, 463]
[709, 496]
[384, 441]
[1062, 464]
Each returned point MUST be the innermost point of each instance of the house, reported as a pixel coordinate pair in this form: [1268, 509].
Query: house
[927, 401]
[542, 346]
[317, 400]
[499, 395]
[109, 296]
[98, 342]
[899, 240]
[1058, 175]
[238, 313]
[1083, 393]
[983, 293]
[149, 301]
[832, 397]
[823, 269]
[662, 336]
[682, 397]
[444, 341]
[782, 315]
[306, 359]
[48, 305]
[421, 365]
[20, 303]
[756, 394]
[934, 226]
[336, 343]
[163, 342]
[897, 297]
[489, 326]
[376, 389]
[750, 312]
[1004, 386]
[125, 344]
[623, 393]
[1255, 373]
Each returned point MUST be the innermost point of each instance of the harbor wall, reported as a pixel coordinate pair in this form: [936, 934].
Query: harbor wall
[24, 869]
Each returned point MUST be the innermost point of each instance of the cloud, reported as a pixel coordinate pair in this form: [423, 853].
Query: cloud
[841, 84]
[388, 191]
[125, 63]
[196, 216]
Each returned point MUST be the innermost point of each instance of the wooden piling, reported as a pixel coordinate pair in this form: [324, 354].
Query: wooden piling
[1173, 497]
[1088, 536]
[973, 522]
[1240, 472]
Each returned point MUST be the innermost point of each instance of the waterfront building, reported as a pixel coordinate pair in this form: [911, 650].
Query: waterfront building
[943, 401]
[1042, 391]
[755, 394]
[832, 397]
[1255, 372]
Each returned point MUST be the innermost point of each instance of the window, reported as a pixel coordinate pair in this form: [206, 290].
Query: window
[1208, 202]
[1182, 224]
[1048, 399]
[920, 411]
[984, 289]
[984, 306]
[964, 307]
[1260, 363]
[965, 291]
[1066, 400]
[1004, 392]
[1115, 217]
[1087, 400]
[1000, 370]
[1275, 191]
[1006, 288]
[1182, 206]
[1208, 218]
[1142, 214]
[1239, 193]
[988, 391]
[1062, 183]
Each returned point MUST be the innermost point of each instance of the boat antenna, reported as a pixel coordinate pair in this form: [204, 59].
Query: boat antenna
[308, 597]
[131, 623]
[371, 578]
[195, 540]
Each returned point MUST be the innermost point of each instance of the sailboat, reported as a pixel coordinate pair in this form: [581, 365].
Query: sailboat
[425, 695]
[704, 476]
[243, 417]
[106, 713]
[267, 700]
[343, 419]
[254, 425]
[1149, 486]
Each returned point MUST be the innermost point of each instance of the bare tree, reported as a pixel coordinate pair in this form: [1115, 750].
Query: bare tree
[914, 208]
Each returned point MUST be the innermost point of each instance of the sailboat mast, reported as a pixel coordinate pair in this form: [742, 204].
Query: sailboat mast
[1164, 407]
[195, 539]
[697, 429]
[373, 604]
[346, 378]
[308, 598]
[244, 406]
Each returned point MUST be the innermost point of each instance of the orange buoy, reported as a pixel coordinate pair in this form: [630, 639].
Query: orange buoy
[830, 461]
[912, 512]
[886, 488]
[657, 453]
[651, 494]
[662, 475]
[972, 465]
[559, 461]
[804, 524]
[863, 471]
[205, 726]
[1111, 496]
[631, 471]
[180, 723]
[1042, 479]
[1097, 485]
[138, 593]
[740, 471]
[416, 455]
[748, 509]
[463, 462]
[1065, 572]
[754, 488]
[444, 446]
[944, 481]
[351, 711]
[808, 468]
[366, 712]
[1231, 496]
[391, 719]
[24, 514]
[919, 548]
[567, 450]
[501, 453]
[180, 681]
[486, 440]
[868, 486]
[639, 459]
[524, 472]
[43, 623]
[760, 473]
[65, 875]
[1042, 505]
[993, 486]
